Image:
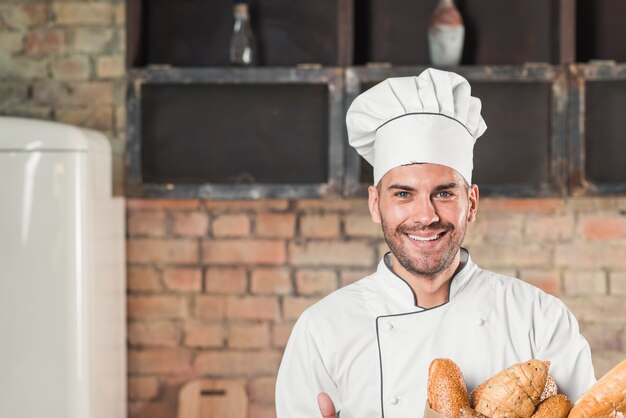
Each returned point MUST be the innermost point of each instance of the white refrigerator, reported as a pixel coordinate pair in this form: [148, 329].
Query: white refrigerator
[62, 274]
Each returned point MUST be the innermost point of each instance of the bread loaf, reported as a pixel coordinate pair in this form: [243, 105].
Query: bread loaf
[447, 392]
[607, 398]
[514, 392]
[550, 389]
[556, 406]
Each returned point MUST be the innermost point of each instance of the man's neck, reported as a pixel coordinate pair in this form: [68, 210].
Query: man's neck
[430, 290]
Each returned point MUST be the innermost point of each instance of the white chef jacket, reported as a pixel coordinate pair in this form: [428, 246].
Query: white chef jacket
[369, 346]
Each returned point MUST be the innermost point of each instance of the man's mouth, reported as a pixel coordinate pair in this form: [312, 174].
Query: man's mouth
[427, 238]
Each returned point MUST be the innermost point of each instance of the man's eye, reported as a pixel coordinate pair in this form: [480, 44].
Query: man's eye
[402, 195]
[444, 194]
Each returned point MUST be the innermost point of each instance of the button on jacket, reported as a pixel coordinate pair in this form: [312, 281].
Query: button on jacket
[369, 346]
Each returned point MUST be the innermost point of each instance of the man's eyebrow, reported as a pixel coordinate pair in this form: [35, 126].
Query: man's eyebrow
[401, 187]
[446, 186]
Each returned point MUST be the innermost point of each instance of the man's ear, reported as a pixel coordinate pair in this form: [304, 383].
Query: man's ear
[373, 203]
[473, 203]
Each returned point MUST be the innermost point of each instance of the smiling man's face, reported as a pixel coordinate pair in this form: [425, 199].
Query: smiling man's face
[424, 210]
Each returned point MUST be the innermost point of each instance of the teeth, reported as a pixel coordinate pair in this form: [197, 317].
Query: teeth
[424, 239]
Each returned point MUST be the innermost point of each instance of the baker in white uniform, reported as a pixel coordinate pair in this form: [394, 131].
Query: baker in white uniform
[368, 345]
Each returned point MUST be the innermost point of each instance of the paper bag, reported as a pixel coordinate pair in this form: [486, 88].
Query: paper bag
[429, 413]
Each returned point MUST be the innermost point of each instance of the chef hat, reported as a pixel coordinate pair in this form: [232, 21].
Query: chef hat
[431, 118]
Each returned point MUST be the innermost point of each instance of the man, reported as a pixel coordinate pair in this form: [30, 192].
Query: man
[365, 348]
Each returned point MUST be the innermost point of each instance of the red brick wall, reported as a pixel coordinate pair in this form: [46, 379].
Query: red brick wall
[214, 287]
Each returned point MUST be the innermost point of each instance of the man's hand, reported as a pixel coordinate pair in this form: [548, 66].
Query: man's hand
[326, 405]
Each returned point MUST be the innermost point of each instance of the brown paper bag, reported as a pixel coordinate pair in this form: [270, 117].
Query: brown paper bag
[429, 413]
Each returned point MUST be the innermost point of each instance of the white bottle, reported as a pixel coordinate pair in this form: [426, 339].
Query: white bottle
[446, 34]
[242, 42]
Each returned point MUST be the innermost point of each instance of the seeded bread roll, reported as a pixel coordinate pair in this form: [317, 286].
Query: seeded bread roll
[447, 392]
[607, 398]
[556, 406]
[550, 390]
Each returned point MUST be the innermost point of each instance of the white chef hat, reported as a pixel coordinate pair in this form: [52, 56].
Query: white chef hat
[431, 118]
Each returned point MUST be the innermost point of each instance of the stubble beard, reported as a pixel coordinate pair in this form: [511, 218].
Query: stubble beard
[395, 238]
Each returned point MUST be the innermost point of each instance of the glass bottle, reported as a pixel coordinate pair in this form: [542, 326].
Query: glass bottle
[243, 49]
[446, 34]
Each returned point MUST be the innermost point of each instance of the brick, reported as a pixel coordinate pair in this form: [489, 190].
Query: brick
[99, 118]
[333, 205]
[140, 250]
[603, 309]
[589, 255]
[315, 282]
[22, 68]
[176, 204]
[143, 278]
[92, 41]
[319, 226]
[210, 307]
[603, 336]
[119, 12]
[603, 361]
[183, 279]
[246, 205]
[190, 224]
[275, 225]
[548, 280]
[542, 228]
[29, 110]
[45, 41]
[324, 253]
[362, 226]
[151, 223]
[83, 14]
[347, 277]
[120, 117]
[602, 227]
[237, 363]
[582, 283]
[261, 410]
[511, 255]
[71, 68]
[143, 388]
[78, 93]
[11, 42]
[151, 409]
[231, 226]
[248, 336]
[234, 307]
[226, 280]
[280, 333]
[156, 307]
[252, 307]
[617, 283]
[520, 205]
[20, 16]
[596, 204]
[275, 281]
[500, 227]
[204, 335]
[294, 306]
[262, 389]
[153, 334]
[244, 251]
[110, 66]
[162, 361]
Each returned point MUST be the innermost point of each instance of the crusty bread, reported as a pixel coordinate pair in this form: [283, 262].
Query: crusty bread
[556, 406]
[514, 392]
[447, 392]
[469, 413]
[606, 398]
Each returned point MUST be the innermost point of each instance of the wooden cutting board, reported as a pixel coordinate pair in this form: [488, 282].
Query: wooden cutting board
[206, 398]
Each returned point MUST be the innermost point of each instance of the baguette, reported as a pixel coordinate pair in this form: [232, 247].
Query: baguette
[607, 398]
[447, 393]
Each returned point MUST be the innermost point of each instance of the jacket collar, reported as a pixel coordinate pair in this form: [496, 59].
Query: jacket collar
[401, 290]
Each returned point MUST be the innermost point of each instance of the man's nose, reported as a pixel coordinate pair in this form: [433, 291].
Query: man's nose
[424, 212]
